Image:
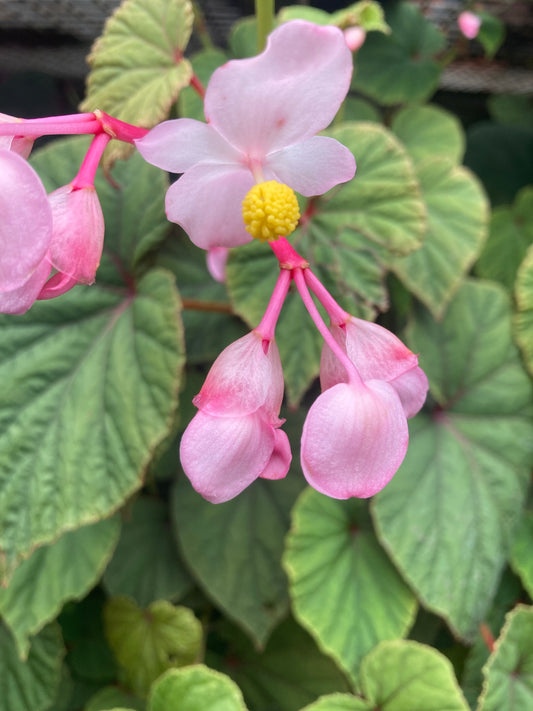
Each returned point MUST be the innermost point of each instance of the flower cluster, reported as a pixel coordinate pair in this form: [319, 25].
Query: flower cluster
[50, 242]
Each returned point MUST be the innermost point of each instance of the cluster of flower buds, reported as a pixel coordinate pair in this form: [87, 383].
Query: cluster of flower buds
[50, 242]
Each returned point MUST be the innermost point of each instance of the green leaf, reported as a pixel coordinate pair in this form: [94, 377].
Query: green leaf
[195, 688]
[337, 571]
[453, 506]
[240, 572]
[511, 109]
[511, 233]
[522, 554]
[340, 702]
[111, 697]
[64, 570]
[290, 673]
[243, 38]
[407, 676]
[509, 671]
[523, 320]
[137, 64]
[145, 565]
[148, 642]
[357, 109]
[429, 132]
[302, 12]
[204, 63]
[457, 225]
[31, 685]
[398, 68]
[491, 33]
[365, 13]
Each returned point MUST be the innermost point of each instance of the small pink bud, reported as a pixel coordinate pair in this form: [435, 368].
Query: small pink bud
[354, 37]
[216, 263]
[18, 144]
[469, 24]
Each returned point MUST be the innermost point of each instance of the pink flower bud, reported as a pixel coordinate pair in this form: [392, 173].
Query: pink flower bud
[469, 24]
[18, 144]
[354, 37]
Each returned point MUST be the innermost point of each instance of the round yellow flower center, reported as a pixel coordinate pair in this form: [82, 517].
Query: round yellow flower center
[270, 210]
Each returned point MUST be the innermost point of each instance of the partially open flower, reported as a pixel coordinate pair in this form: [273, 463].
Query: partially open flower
[469, 24]
[262, 116]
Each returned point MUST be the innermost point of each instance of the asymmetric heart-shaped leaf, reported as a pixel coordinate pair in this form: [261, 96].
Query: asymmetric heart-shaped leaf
[449, 515]
[337, 570]
[429, 132]
[195, 688]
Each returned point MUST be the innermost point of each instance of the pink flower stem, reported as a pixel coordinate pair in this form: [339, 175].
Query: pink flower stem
[353, 376]
[66, 118]
[198, 86]
[30, 129]
[268, 323]
[120, 130]
[337, 314]
[288, 257]
[87, 171]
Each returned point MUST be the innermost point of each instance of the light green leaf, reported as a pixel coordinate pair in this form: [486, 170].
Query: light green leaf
[407, 676]
[365, 13]
[429, 132]
[204, 63]
[511, 233]
[399, 68]
[302, 12]
[145, 565]
[340, 702]
[240, 572]
[356, 109]
[509, 672]
[290, 673]
[337, 571]
[137, 64]
[522, 552]
[30, 685]
[64, 570]
[195, 688]
[243, 38]
[491, 33]
[112, 697]
[523, 319]
[148, 642]
[449, 515]
[457, 227]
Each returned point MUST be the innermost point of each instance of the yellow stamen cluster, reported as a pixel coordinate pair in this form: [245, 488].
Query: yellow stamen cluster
[270, 210]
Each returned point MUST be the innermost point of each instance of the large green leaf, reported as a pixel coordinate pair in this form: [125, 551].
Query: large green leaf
[449, 515]
[137, 64]
[204, 63]
[145, 565]
[523, 320]
[522, 552]
[113, 697]
[511, 233]
[457, 227]
[64, 570]
[429, 132]
[399, 68]
[195, 688]
[288, 674]
[30, 685]
[235, 553]
[338, 572]
[509, 671]
[340, 702]
[148, 642]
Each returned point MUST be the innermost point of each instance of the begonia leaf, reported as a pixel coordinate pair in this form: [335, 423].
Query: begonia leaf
[523, 319]
[147, 642]
[195, 688]
[511, 109]
[457, 226]
[491, 33]
[337, 570]
[429, 132]
[115, 698]
[204, 63]
[366, 14]
[449, 515]
[340, 702]
[511, 233]
[243, 38]
[240, 573]
[399, 68]
[357, 109]
[302, 12]
[509, 672]
[137, 64]
[145, 565]
[93, 376]
[63, 570]
[407, 676]
[522, 552]
[30, 685]
[288, 674]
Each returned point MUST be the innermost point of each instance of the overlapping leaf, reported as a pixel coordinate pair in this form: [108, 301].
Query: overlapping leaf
[195, 688]
[523, 320]
[522, 552]
[449, 515]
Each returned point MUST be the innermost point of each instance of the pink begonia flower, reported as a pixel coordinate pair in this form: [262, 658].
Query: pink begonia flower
[378, 355]
[235, 436]
[217, 258]
[469, 24]
[354, 37]
[262, 116]
[17, 144]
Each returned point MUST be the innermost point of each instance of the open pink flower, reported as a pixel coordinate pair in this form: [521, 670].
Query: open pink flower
[235, 436]
[469, 24]
[262, 116]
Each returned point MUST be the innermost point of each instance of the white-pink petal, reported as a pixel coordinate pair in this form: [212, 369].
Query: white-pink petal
[354, 440]
[217, 258]
[78, 232]
[207, 202]
[179, 144]
[280, 460]
[313, 166]
[412, 388]
[284, 95]
[20, 300]
[25, 221]
[223, 455]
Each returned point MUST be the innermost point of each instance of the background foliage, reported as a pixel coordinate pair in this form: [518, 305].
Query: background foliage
[122, 588]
